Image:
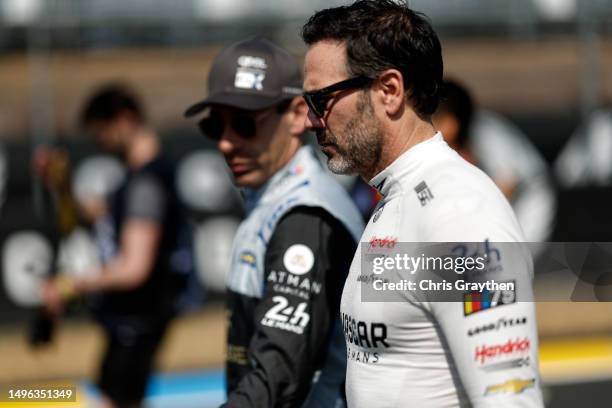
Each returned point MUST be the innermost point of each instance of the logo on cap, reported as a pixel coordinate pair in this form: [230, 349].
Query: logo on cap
[250, 73]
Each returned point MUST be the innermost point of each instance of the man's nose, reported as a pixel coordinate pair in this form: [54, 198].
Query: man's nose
[313, 122]
[229, 141]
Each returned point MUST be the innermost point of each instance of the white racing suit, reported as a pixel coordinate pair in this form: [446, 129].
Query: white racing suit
[481, 351]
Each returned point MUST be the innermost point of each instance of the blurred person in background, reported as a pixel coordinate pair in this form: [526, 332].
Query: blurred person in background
[501, 150]
[373, 77]
[292, 252]
[3, 175]
[140, 233]
[586, 159]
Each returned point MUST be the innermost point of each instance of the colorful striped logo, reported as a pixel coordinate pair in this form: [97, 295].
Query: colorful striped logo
[475, 301]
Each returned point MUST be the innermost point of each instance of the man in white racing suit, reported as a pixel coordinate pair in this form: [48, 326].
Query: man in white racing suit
[373, 75]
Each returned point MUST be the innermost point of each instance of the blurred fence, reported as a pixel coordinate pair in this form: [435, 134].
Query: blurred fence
[189, 22]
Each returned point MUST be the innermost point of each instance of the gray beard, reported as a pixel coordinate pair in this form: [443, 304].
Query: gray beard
[362, 145]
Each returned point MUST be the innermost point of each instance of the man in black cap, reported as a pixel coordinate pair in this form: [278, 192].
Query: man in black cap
[292, 252]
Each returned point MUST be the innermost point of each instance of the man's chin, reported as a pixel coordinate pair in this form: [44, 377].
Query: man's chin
[248, 180]
[339, 166]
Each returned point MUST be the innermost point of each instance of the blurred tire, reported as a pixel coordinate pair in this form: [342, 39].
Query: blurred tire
[204, 183]
[213, 240]
[27, 258]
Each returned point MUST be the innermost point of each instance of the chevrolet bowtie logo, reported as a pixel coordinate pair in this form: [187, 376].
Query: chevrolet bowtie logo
[515, 386]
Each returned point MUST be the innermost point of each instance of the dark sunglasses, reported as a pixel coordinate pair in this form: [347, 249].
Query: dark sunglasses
[245, 125]
[317, 100]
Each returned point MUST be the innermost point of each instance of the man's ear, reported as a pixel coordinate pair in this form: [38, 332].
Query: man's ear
[390, 91]
[296, 115]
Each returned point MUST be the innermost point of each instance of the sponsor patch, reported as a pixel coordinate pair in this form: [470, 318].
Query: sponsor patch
[386, 242]
[291, 284]
[250, 73]
[285, 317]
[512, 348]
[364, 334]
[298, 259]
[486, 250]
[237, 354]
[247, 258]
[501, 323]
[423, 193]
[475, 301]
[514, 386]
[296, 170]
[248, 61]
[366, 357]
[507, 365]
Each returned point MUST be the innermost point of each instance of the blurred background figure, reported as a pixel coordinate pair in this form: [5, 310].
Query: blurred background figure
[583, 171]
[501, 150]
[143, 241]
[205, 186]
[586, 158]
[3, 175]
[94, 179]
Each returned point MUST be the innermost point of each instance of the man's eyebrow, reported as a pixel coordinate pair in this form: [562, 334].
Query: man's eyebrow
[311, 89]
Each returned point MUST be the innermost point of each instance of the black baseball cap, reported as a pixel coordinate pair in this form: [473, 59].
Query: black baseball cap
[252, 74]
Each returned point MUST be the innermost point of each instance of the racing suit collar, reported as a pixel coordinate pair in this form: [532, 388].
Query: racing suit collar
[252, 196]
[386, 182]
